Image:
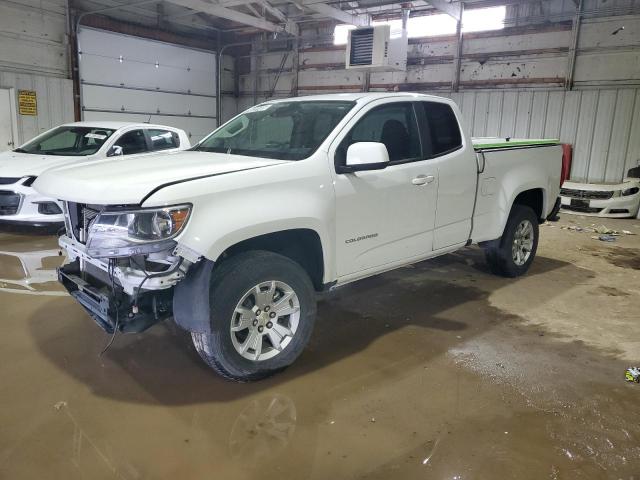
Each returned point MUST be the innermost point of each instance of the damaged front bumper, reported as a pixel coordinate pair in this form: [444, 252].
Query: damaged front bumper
[111, 310]
[116, 293]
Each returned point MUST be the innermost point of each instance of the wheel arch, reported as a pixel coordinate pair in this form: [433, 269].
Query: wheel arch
[302, 245]
[191, 295]
[534, 198]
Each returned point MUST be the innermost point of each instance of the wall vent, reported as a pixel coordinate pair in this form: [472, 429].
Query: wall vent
[361, 47]
[377, 48]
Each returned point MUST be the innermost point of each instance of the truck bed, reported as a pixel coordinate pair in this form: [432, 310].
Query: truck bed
[506, 168]
[494, 143]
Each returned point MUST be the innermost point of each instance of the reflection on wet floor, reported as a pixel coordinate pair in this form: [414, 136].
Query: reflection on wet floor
[413, 374]
[30, 272]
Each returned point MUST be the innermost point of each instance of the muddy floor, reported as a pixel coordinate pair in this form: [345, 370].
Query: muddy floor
[435, 371]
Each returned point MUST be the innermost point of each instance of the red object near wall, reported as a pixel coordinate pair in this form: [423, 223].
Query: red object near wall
[566, 162]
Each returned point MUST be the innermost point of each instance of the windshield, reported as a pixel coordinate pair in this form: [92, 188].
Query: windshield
[283, 130]
[71, 140]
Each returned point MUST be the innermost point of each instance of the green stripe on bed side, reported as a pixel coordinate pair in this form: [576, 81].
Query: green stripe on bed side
[515, 143]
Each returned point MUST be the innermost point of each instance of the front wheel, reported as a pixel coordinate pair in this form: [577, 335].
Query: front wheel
[513, 253]
[262, 313]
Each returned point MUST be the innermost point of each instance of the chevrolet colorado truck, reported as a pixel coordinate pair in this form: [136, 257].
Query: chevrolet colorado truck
[234, 237]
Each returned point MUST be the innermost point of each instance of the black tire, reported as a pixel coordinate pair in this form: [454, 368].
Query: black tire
[499, 253]
[229, 282]
[554, 215]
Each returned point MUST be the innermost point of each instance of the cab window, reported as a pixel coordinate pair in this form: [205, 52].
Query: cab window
[394, 125]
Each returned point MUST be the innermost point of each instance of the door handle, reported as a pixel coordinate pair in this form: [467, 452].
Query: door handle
[423, 179]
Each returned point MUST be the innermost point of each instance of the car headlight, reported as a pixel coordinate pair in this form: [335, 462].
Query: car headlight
[630, 191]
[133, 232]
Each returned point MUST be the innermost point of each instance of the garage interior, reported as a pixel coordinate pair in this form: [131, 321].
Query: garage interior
[434, 370]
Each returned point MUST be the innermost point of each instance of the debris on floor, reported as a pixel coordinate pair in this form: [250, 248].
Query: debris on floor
[605, 238]
[632, 374]
[605, 234]
[606, 230]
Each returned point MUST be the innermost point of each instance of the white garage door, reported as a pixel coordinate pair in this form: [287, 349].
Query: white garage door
[133, 79]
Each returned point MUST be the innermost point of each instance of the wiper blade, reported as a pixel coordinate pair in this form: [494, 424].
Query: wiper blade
[212, 149]
[20, 150]
[58, 153]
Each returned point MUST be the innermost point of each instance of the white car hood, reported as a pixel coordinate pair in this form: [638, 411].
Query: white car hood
[129, 180]
[14, 164]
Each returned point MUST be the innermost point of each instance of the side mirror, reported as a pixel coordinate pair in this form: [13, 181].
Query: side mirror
[115, 151]
[363, 156]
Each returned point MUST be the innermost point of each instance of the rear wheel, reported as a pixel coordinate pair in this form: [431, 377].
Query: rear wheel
[553, 215]
[513, 253]
[262, 314]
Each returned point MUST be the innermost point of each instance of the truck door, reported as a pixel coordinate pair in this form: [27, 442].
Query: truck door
[384, 216]
[444, 144]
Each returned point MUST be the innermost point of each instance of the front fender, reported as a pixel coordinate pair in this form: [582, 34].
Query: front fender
[234, 207]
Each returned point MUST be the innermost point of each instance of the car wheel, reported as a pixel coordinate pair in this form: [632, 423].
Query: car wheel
[513, 254]
[262, 312]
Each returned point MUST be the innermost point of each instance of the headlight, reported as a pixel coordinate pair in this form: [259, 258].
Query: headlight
[133, 232]
[630, 191]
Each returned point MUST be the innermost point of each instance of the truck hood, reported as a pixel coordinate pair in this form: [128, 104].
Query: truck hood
[14, 164]
[129, 180]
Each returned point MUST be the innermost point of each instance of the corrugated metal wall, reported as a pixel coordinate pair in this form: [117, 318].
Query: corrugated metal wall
[55, 102]
[33, 56]
[603, 125]
[32, 37]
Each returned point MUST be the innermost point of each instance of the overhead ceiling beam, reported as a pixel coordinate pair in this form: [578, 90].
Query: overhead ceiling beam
[227, 13]
[273, 10]
[232, 3]
[253, 10]
[337, 14]
[452, 9]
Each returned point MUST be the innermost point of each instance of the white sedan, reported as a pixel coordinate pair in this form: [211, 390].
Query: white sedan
[72, 143]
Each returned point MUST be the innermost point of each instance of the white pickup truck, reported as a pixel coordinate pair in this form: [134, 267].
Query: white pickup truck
[235, 237]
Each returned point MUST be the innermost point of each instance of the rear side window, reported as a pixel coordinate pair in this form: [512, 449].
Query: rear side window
[441, 129]
[163, 139]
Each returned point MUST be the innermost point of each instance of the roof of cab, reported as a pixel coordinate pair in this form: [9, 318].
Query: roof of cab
[363, 97]
[114, 125]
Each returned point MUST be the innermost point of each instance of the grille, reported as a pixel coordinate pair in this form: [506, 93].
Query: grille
[8, 180]
[587, 194]
[9, 203]
[361, 47]
[583, 209]
[80, 218]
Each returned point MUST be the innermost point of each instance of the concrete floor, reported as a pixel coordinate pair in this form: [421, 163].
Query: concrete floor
[439, 370]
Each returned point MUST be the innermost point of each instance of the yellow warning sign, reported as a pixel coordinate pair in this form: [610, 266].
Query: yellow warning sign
[27, 102]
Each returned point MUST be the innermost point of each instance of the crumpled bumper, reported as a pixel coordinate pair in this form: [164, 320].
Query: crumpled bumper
[113, 309]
